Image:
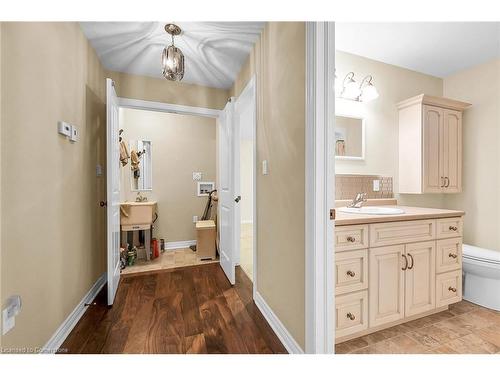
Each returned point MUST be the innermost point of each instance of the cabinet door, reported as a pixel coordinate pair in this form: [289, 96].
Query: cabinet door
[420, 278]
[433, 179]
[452, 150]
[386, 286]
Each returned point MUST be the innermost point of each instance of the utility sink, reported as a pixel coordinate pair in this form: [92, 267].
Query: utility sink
[137, 213]
[372, 210]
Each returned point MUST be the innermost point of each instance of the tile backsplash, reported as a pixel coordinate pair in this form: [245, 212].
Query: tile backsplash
[348, 185]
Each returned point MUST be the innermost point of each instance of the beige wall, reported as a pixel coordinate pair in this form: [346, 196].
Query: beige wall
[480, 199]
[278, 60]
[181, 145]
[52, 250]
[161, 90]
[393, 84]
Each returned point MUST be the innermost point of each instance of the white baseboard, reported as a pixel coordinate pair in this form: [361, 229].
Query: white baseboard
[66, 327]
[179, 244]
[285, 337]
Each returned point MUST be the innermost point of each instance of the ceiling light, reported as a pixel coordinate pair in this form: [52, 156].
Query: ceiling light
[172, 58]
[368, 90]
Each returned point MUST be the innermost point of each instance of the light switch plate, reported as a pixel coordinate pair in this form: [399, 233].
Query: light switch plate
[74, 134]
[197, 176]
[265, 167]
[195, 219]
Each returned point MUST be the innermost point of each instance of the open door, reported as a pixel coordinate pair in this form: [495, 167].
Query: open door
[226, 191]
[113, 190]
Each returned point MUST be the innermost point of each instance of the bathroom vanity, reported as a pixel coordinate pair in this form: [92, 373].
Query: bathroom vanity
[393, 268]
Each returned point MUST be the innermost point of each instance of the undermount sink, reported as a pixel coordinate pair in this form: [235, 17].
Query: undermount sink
[372, 210]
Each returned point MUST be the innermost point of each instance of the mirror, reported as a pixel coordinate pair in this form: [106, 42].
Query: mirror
[141, 173]
[349, 138]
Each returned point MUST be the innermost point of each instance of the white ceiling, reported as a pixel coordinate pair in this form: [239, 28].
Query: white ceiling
[435, 48]
[214, 51]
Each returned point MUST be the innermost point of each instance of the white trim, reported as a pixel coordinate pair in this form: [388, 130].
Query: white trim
[319, 172]
[172, 245]
[166, 107]
[279, 329]
[70, 322]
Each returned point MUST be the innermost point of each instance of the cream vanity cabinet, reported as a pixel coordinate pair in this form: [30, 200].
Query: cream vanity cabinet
[391, 272]
[430, 145]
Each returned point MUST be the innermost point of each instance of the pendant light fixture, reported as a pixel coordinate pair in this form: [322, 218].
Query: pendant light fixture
[172, 58]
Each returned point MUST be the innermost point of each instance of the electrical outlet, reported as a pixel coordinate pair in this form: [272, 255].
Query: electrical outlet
[376, 185]
[13, 307]
[265, 167]
[195, 219]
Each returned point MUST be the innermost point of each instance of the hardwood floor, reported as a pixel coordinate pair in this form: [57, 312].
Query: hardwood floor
[187, 310]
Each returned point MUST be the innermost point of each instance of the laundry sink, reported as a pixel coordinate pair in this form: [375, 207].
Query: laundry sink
[372, 210]
[137, 213]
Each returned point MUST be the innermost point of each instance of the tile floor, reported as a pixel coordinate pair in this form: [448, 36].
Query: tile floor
[246, 249]
[169, 259]
[465, 328]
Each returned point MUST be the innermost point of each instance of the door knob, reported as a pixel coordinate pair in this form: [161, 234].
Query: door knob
[103, 203]
[237, 199]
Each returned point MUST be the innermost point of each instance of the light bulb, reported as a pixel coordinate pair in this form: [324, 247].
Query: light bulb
[368, 93]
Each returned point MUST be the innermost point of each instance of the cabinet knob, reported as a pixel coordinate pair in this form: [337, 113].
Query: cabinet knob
[451, 255]
[350, 239]
[351, 316]
[451, 289]
[351, 273]
[453, 228]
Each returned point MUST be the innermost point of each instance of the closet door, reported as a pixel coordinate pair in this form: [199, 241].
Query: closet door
[386, 286]
[452, 151]
[420, 278]
[433, 178]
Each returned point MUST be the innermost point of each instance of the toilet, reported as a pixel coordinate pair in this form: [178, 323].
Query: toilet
[481, 276]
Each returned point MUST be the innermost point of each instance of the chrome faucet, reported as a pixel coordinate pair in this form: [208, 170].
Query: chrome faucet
[358, 201]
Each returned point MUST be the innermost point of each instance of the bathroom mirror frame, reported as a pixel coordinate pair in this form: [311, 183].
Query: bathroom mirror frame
[363, 136]
[132, 187]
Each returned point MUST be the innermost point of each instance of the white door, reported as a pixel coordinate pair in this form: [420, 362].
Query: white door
[113, 191]
[226, 191]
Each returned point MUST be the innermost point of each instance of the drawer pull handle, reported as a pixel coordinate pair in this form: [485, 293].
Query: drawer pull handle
[350, 239]
[351, 273]
[412, 261]
[451, 255]
[453, 228]
[351, 316]
[406, 262]
[451, 289]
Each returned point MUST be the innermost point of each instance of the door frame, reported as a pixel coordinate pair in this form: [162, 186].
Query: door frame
[250, 93]
[196, 111]
[319, 187]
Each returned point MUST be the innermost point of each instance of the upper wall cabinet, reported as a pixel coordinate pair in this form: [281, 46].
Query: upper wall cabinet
[430, 145]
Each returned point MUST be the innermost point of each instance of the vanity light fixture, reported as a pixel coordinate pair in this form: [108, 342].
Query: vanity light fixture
[172, 58]
[350, 89]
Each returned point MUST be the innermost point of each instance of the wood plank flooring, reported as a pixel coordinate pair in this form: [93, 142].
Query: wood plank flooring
[187, 310]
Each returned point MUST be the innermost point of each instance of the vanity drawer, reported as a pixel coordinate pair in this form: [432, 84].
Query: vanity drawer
[448, 288]
[351, 313]
[351, 271]
[351, 237]
[384, 234]
[449, 227]
[448, 255]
